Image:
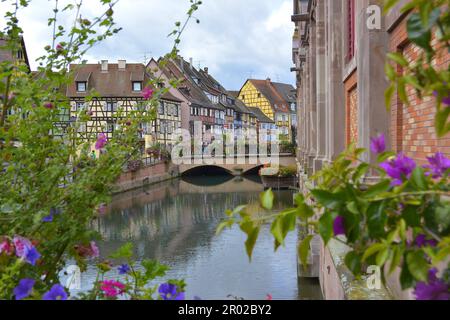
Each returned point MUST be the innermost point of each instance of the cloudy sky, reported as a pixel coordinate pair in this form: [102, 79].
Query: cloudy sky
[236, 39]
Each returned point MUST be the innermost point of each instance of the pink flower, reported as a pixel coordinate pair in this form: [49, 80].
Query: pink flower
[147, 93]
[101, 209]
[269, 297]
[59, 47]
[101, 141]
[112, 288]
[48, 105]
[90, 250]
[94, 249]
[6, 247]
[22, 246]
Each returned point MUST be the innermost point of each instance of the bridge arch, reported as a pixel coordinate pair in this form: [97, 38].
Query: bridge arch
[253, 171]
[206, 170]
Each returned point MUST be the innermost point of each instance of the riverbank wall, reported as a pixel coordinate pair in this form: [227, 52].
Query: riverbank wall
[145, 176]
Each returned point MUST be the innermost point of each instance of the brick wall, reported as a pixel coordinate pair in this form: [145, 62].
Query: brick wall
[412, 127]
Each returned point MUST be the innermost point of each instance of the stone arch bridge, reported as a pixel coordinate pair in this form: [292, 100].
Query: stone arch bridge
[237, 167]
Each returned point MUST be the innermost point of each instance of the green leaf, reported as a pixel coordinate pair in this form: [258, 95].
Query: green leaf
[284, 223]
[124, 252]
[378, 188]
[398, 58]
[326, 226]
[418, 179]
[154, 269]
[441, 122]
[223, 225]
[360, 171]
[417, 33]
[382, 256]
[353, 262]
[390, 72]
[327, 199]
[411, 216]
[418, 265]
[385, 155]
[303, 250]
[376, 247]
[376, 219]
[303, 210]
[252, 232]
[388, 5]
[401, 90]
[396, 258]
[406, 279]
[352, 207]
[266, 199]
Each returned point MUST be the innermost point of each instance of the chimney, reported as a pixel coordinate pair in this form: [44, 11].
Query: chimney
[191, 63]
[269, 80]
[122, 64]
[105, 65]
[181, 63]
[206, 70]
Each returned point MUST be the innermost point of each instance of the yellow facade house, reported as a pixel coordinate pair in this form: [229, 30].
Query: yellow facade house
[275, 100]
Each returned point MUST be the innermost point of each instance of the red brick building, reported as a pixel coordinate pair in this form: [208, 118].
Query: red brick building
[339, 53]
[412, 127]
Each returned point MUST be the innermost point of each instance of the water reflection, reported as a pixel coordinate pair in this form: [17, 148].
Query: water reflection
[175, 222]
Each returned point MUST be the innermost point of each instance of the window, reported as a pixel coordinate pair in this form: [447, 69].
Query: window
[111, 106]
[259, 95]
[293, 106]
[80, 106]
[81, 86]
[243, 97]
[212, 98]
[161, 108]
[19, 55]
[172, 109]
[137, 86]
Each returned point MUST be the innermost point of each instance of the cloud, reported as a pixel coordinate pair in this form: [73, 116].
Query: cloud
[236, 39]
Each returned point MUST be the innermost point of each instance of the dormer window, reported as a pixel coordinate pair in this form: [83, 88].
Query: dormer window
[197, 80]
[81, 86]
[137, 86]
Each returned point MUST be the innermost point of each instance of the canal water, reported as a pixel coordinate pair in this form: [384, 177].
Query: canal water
[175, 223]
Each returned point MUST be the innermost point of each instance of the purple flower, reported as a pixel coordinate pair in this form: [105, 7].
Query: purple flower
[48, 218]
[399, 168]
[445, 100]
[101, 141]
[25, 250]
[378, 144]
[23, 290]
[147, 93]
[168, 291]
[422, 241]
[32, 256]
[439, 164]
[435, 289]
[124, 269]
[48, 105]
[57, 292]
[59, 47]
[339, 226]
